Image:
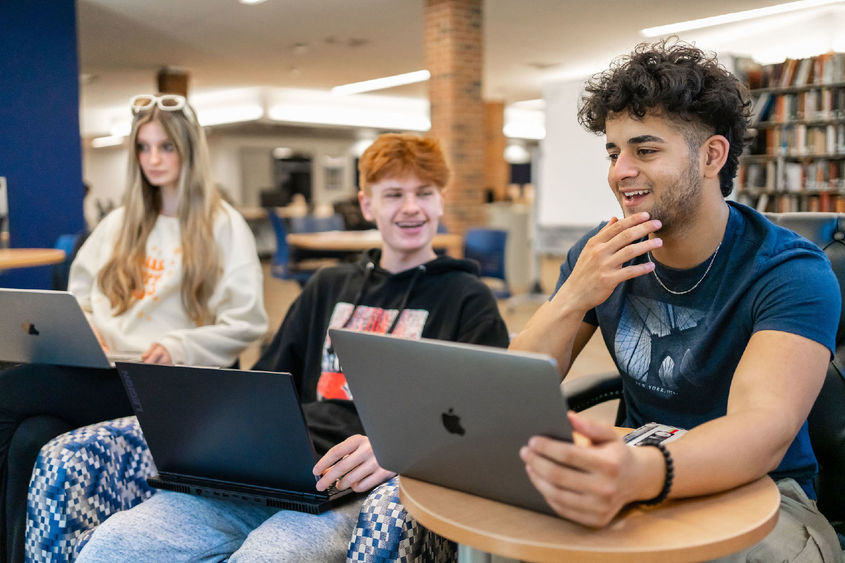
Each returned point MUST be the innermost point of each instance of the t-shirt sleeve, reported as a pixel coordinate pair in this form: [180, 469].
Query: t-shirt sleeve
[800, 296]
[568, 265]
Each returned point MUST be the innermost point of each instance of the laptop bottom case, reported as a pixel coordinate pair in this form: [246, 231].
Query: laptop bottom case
[300, 502]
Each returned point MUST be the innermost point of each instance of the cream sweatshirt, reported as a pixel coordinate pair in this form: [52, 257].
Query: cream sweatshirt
[237, 304]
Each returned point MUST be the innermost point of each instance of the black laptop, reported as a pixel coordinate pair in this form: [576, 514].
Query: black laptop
[232, 434]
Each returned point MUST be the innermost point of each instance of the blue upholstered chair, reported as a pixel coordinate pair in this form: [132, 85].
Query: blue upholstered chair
[282, 266]
[69, 244]
[316, 224]
[487, 248]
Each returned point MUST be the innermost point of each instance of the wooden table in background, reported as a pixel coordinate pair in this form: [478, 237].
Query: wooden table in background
[358, 241]
[26, 257]
[692, 529]
[252, 213]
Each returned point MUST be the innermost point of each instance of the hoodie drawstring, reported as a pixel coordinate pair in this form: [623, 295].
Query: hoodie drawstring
[420, 270]
[357, 301]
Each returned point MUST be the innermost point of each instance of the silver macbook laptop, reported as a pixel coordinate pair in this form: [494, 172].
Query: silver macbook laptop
[226, 433]
[454, 414]
[48, 327]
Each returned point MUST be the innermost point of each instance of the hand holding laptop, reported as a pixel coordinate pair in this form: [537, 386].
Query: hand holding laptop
[589, 483]
[351, 464]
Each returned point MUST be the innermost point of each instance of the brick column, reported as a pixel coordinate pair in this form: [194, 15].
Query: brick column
[453, 56]
[496, 170]
[172, 81]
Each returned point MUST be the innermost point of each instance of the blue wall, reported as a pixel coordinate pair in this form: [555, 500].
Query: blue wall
[40, 152]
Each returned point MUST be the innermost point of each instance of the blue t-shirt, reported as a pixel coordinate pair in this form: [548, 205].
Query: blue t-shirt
[677, 353]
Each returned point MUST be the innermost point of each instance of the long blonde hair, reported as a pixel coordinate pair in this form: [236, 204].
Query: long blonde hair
[122, 278]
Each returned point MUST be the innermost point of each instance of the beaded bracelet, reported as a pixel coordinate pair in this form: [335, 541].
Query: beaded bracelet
[670, 475]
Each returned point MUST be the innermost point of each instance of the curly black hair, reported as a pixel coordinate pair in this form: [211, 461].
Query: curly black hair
[681, 82]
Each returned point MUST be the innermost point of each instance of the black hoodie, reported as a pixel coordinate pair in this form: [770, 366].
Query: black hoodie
[442, 299]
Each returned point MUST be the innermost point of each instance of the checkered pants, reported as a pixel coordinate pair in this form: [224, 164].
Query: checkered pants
[79, 479]
[386, 532]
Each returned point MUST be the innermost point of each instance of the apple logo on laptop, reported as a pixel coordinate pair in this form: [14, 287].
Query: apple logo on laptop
[29, 328]
[452, 423]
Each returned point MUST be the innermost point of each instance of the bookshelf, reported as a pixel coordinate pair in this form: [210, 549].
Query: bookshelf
[796, 158]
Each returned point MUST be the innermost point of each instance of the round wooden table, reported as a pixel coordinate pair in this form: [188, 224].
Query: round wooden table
[691, 529]
[26, 257]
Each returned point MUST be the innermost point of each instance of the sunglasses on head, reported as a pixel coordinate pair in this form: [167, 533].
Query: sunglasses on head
[165, 102]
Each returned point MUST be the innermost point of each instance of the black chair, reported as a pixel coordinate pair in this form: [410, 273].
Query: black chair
[827, 417]
[353, 219]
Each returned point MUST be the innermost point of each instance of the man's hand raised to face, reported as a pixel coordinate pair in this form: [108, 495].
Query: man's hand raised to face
[600, 267]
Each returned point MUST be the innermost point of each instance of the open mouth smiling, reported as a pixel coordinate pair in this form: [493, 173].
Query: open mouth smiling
[630, 196]
[410, 225]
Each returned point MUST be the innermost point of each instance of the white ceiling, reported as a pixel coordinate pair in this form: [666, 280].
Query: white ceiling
[317, 44]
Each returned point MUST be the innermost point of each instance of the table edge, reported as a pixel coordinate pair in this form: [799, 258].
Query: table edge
[37, 257]
[540, 551]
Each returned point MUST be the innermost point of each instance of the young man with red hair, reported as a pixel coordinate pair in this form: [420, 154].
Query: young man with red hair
[403, 289]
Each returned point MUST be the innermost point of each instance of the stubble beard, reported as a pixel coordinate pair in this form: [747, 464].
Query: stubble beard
[677, 205]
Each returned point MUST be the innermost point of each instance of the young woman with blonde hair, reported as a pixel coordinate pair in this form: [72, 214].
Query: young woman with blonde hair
[170, 277]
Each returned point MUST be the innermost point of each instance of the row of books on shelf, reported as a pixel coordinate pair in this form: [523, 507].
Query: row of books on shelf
[821, 174]
[785, 203]
[827, 68]
[800, 140]
[816, 104]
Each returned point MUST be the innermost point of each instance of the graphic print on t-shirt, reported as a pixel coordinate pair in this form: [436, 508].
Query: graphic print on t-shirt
[332, 383]
[654, 343]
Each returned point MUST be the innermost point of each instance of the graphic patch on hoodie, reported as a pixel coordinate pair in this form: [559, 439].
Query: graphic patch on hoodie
[332, 383]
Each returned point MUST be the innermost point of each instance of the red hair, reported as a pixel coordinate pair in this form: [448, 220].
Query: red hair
[394, 155]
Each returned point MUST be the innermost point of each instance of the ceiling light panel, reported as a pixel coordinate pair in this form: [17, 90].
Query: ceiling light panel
[735, 17]
[381, 83]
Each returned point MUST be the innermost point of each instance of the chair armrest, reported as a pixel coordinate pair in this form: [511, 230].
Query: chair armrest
[827, 434]
[80, 478]
[590, 390]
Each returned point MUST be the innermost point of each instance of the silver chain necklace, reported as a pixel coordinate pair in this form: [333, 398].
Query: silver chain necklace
[698, 283]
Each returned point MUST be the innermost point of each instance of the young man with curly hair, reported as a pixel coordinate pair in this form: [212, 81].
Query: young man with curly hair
[719, 321]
